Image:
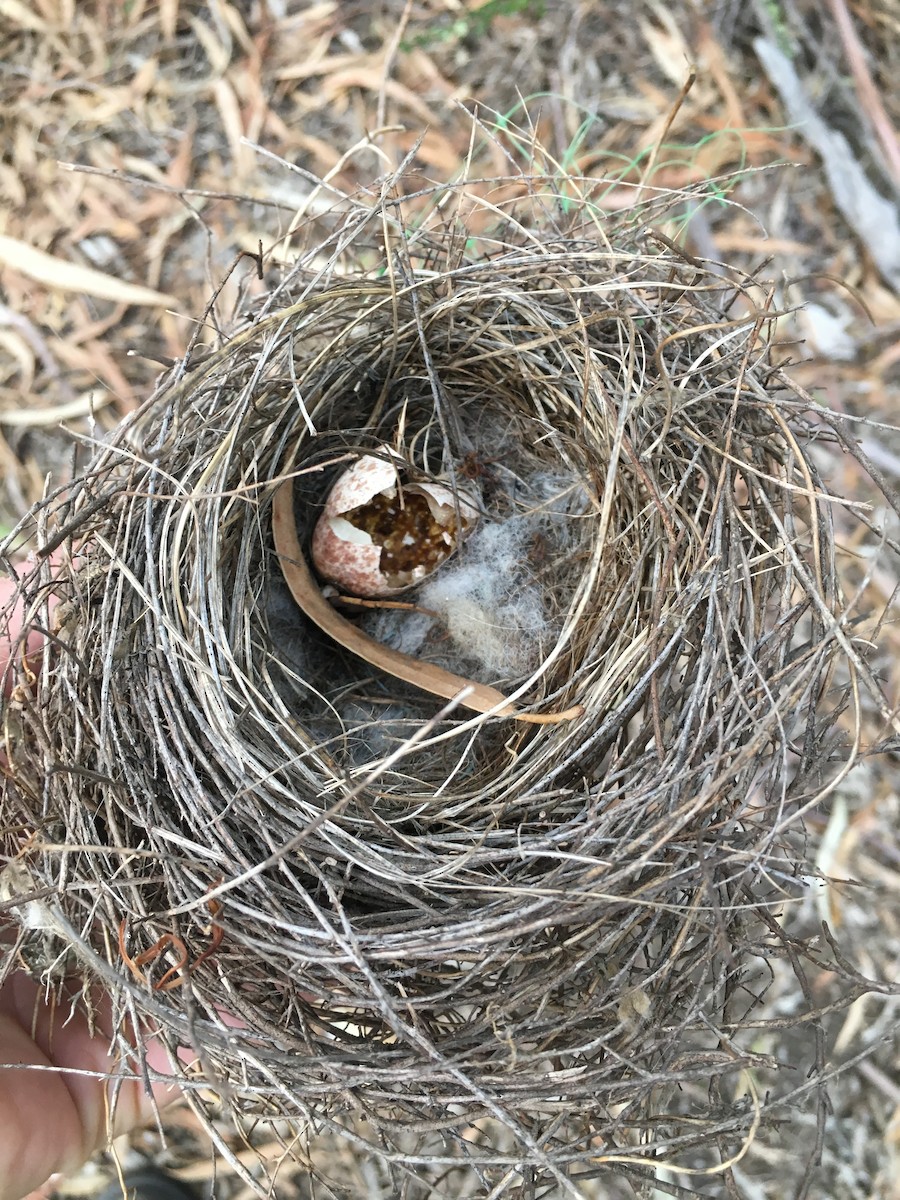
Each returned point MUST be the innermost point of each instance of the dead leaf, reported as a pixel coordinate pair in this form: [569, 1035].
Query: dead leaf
[22, 15]
[370, 80]
[70, 277]
[82, 406]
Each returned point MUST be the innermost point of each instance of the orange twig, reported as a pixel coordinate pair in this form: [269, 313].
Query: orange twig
[176, 975]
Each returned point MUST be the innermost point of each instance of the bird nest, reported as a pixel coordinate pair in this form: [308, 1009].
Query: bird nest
[517, 920]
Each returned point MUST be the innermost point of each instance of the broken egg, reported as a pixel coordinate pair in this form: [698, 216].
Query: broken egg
[377, 535]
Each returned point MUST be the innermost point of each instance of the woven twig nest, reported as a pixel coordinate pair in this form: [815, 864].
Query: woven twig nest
[348, 897]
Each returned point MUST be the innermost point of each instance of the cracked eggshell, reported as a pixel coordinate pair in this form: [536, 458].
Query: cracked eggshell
[376, 537]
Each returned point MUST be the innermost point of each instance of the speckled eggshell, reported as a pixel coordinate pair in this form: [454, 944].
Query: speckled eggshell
[345, 555]
[350, 558]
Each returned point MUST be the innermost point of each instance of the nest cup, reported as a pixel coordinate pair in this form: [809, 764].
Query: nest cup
[355, 904]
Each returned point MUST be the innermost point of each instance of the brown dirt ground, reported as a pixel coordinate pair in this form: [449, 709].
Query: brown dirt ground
[144, 145]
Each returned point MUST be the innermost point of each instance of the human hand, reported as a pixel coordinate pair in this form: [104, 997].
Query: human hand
[55, 1106]
[55, 1110]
